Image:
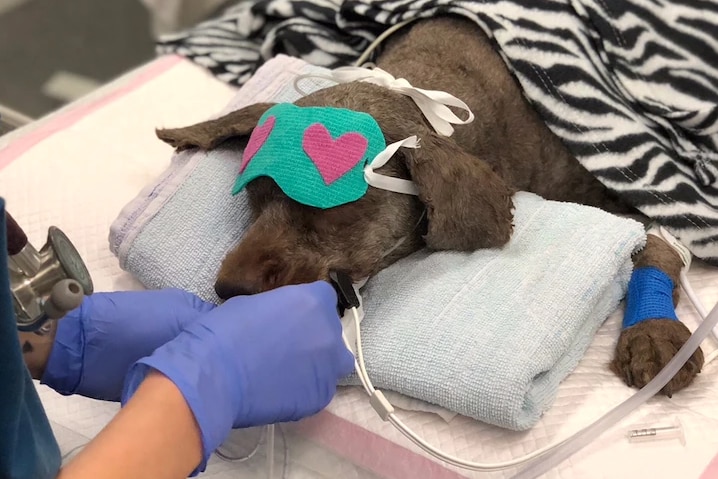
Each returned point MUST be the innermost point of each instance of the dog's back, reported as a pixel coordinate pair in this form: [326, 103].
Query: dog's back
[452, 54]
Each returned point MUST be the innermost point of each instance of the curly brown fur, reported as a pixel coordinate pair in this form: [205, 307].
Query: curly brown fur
[212, 133]
[465, 182]
[507, 132]
[644, 349]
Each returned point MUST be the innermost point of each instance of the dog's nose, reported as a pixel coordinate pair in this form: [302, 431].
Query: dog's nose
[227, 289]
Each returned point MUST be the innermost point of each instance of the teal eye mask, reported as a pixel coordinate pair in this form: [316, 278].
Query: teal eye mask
[319, 156]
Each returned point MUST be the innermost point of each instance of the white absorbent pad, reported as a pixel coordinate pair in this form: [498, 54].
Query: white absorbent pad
[78, 168]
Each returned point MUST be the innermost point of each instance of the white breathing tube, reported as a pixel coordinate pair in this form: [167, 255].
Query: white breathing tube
[544, 459]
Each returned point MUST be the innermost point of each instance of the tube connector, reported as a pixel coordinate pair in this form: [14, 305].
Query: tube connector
[650, 433]
[346, 293]
[682, 251]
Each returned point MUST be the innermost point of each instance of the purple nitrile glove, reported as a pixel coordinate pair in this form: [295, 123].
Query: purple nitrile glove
[255, 360]
[97, 343]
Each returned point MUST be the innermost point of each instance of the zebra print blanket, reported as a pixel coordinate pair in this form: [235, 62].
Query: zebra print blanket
[631, 87]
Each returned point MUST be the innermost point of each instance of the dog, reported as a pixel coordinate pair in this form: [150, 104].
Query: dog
[465, 184]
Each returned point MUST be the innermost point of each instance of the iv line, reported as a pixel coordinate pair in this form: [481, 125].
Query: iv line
[702, 312]
[367, 53]
[268, 433]
[586, 435]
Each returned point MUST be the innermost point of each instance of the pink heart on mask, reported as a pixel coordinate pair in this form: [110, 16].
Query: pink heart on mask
[333, 158]
[256, 140]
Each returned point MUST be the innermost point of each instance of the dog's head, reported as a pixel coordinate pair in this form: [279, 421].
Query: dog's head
[461, 204]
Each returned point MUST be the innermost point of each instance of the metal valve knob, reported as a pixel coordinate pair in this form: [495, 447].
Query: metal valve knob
[65, 296]
[48, 283]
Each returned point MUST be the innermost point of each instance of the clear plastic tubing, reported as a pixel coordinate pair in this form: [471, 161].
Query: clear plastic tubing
[270, 451]
[584, 437]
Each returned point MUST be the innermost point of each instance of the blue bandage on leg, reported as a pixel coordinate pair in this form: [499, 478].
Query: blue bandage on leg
[650, 296]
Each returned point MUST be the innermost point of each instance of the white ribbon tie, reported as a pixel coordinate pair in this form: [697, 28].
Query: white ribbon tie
[433, 104]
[389, 183]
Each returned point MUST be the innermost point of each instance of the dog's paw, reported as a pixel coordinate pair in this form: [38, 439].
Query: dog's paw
[644, 349]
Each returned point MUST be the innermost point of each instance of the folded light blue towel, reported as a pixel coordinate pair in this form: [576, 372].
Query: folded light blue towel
[489, 335]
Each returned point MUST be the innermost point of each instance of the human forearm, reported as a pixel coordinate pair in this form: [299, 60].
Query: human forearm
[36, 350]
[154, 436]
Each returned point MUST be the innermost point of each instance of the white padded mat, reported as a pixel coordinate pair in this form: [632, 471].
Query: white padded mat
[78, 168]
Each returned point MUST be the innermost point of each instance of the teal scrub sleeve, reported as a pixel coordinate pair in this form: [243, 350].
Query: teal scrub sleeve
[28, 449]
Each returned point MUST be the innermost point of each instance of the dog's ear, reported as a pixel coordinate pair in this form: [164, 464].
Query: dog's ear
[468, 205]
[209, 134]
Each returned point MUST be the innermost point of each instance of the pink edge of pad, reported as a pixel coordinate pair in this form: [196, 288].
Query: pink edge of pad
[371, 451]
[24, 143]
[711, 471]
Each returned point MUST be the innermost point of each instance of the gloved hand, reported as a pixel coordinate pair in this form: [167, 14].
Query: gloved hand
[96, 344]
[255, 360]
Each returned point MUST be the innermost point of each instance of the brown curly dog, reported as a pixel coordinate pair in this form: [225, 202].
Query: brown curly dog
[465, 184]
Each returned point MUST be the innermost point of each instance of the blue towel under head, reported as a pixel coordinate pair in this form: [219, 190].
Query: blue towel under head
[489, 335]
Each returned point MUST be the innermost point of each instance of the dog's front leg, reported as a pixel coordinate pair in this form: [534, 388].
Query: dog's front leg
[644, 348]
